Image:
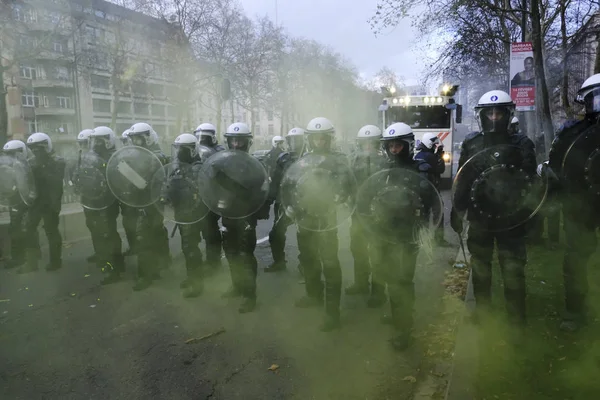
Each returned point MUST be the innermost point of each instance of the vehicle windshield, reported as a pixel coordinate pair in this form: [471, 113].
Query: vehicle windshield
[420, 117]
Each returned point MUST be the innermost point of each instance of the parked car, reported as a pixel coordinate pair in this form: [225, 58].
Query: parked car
[260, 154]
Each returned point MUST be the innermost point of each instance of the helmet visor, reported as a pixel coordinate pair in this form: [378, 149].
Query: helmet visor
[592, 101]
[295, 143]
[495, 119]
[238, 143]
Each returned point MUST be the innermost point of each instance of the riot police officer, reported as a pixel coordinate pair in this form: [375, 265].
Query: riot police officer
[48, 173]
[271, 157]
[239, 236]
[295, 143]
[186, 157]
[151, 235]
[206, 134]
[128, 213]
[514, 126]
[319, 249]
[397, 255]
[494, 113]
[573, 148]
[83, 144]
[366, 160]
[103, 143]
[17, 150]
[431, 150]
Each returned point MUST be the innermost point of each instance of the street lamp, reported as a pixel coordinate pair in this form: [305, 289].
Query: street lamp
[393, 90]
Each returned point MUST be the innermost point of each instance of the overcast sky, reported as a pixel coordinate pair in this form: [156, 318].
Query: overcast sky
[342, 24]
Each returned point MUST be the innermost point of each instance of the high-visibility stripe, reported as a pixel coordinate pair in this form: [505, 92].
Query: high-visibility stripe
[443, 135]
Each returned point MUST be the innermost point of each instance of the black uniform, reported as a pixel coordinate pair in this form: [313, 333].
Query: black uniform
[396, 256]
[438, 166]
[270, 160]
[581, 218]
[187, 208]
[512, 252]
[152, 239]
[17, 230]
[319, 253]
[363, 166]
[211, 232]
[282, 221]
[48, 173]
[102, 223]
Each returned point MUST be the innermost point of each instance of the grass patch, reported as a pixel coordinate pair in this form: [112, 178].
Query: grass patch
[545, 363]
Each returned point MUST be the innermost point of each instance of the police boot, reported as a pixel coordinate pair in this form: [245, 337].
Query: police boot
[231, 293]
[356, 289]
[112, 276]
[92, 259]
[13, 263]
[277, 266]
[309, 302]
[331, 322]
[54, 265]
[195, 284]
[377, 297]
[31, 262]
[248, 305]
[401, 341]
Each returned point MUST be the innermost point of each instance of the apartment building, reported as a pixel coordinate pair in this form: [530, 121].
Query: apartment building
[83, 63]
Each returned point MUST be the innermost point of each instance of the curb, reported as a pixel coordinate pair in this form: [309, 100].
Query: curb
[465, 360]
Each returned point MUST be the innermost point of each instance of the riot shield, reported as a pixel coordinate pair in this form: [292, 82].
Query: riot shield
[178, 187]
[89, 180]
[130, 173]
[317, 191]
[495, 191]
[581, 165]
[16, 182]
[394, 205]
[233, 184]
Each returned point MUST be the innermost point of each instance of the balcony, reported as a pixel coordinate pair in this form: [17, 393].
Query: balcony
[54, 111]
[55, 56]
[52, 83]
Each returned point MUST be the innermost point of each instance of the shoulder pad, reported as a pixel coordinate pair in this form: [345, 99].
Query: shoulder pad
[472, 136]
[219, 147]
[423, 166]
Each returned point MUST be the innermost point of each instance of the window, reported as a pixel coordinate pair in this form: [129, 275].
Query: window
[158, 110]
[57, 47]
[26, 42]
[92, 34]
[141, 108]
[30, 99]
[156, 90]
[139, 88]
[257, 130]
[23, 14]
[62, 73]
[99, 14]
[270, 115]
[271, 130]
[31, 126]
[27, 72]
[100, 82]
[64, 102]
[100, 105]
[124, 107]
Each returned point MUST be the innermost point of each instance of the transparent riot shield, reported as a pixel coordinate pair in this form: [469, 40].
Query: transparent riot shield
[16, 182]
[89, 180]
[317, 191]
[233, 184]
[495, 190]
[178, 186]
[394, 205]
[130, 173]
[581, 165]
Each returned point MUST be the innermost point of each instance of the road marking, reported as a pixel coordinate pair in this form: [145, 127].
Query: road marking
[261, 241]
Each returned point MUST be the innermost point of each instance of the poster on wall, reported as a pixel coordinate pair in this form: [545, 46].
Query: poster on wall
[522, 76]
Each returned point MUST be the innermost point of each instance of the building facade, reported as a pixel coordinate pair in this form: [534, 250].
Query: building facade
[77, 64]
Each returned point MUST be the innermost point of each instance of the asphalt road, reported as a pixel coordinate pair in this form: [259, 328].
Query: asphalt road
[63, 336]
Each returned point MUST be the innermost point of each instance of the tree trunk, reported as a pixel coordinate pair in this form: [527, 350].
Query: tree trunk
[3, 112]
[543, 100]
[597, 63]
[114, 111]
[564, 94]
[219, 116]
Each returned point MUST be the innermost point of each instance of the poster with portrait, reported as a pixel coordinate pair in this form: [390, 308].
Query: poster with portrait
[522, 76]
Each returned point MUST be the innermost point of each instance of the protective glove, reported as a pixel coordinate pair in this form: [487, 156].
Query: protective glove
[456, 221]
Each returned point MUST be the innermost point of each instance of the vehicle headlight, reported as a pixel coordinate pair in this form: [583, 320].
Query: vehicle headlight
[446, 157]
